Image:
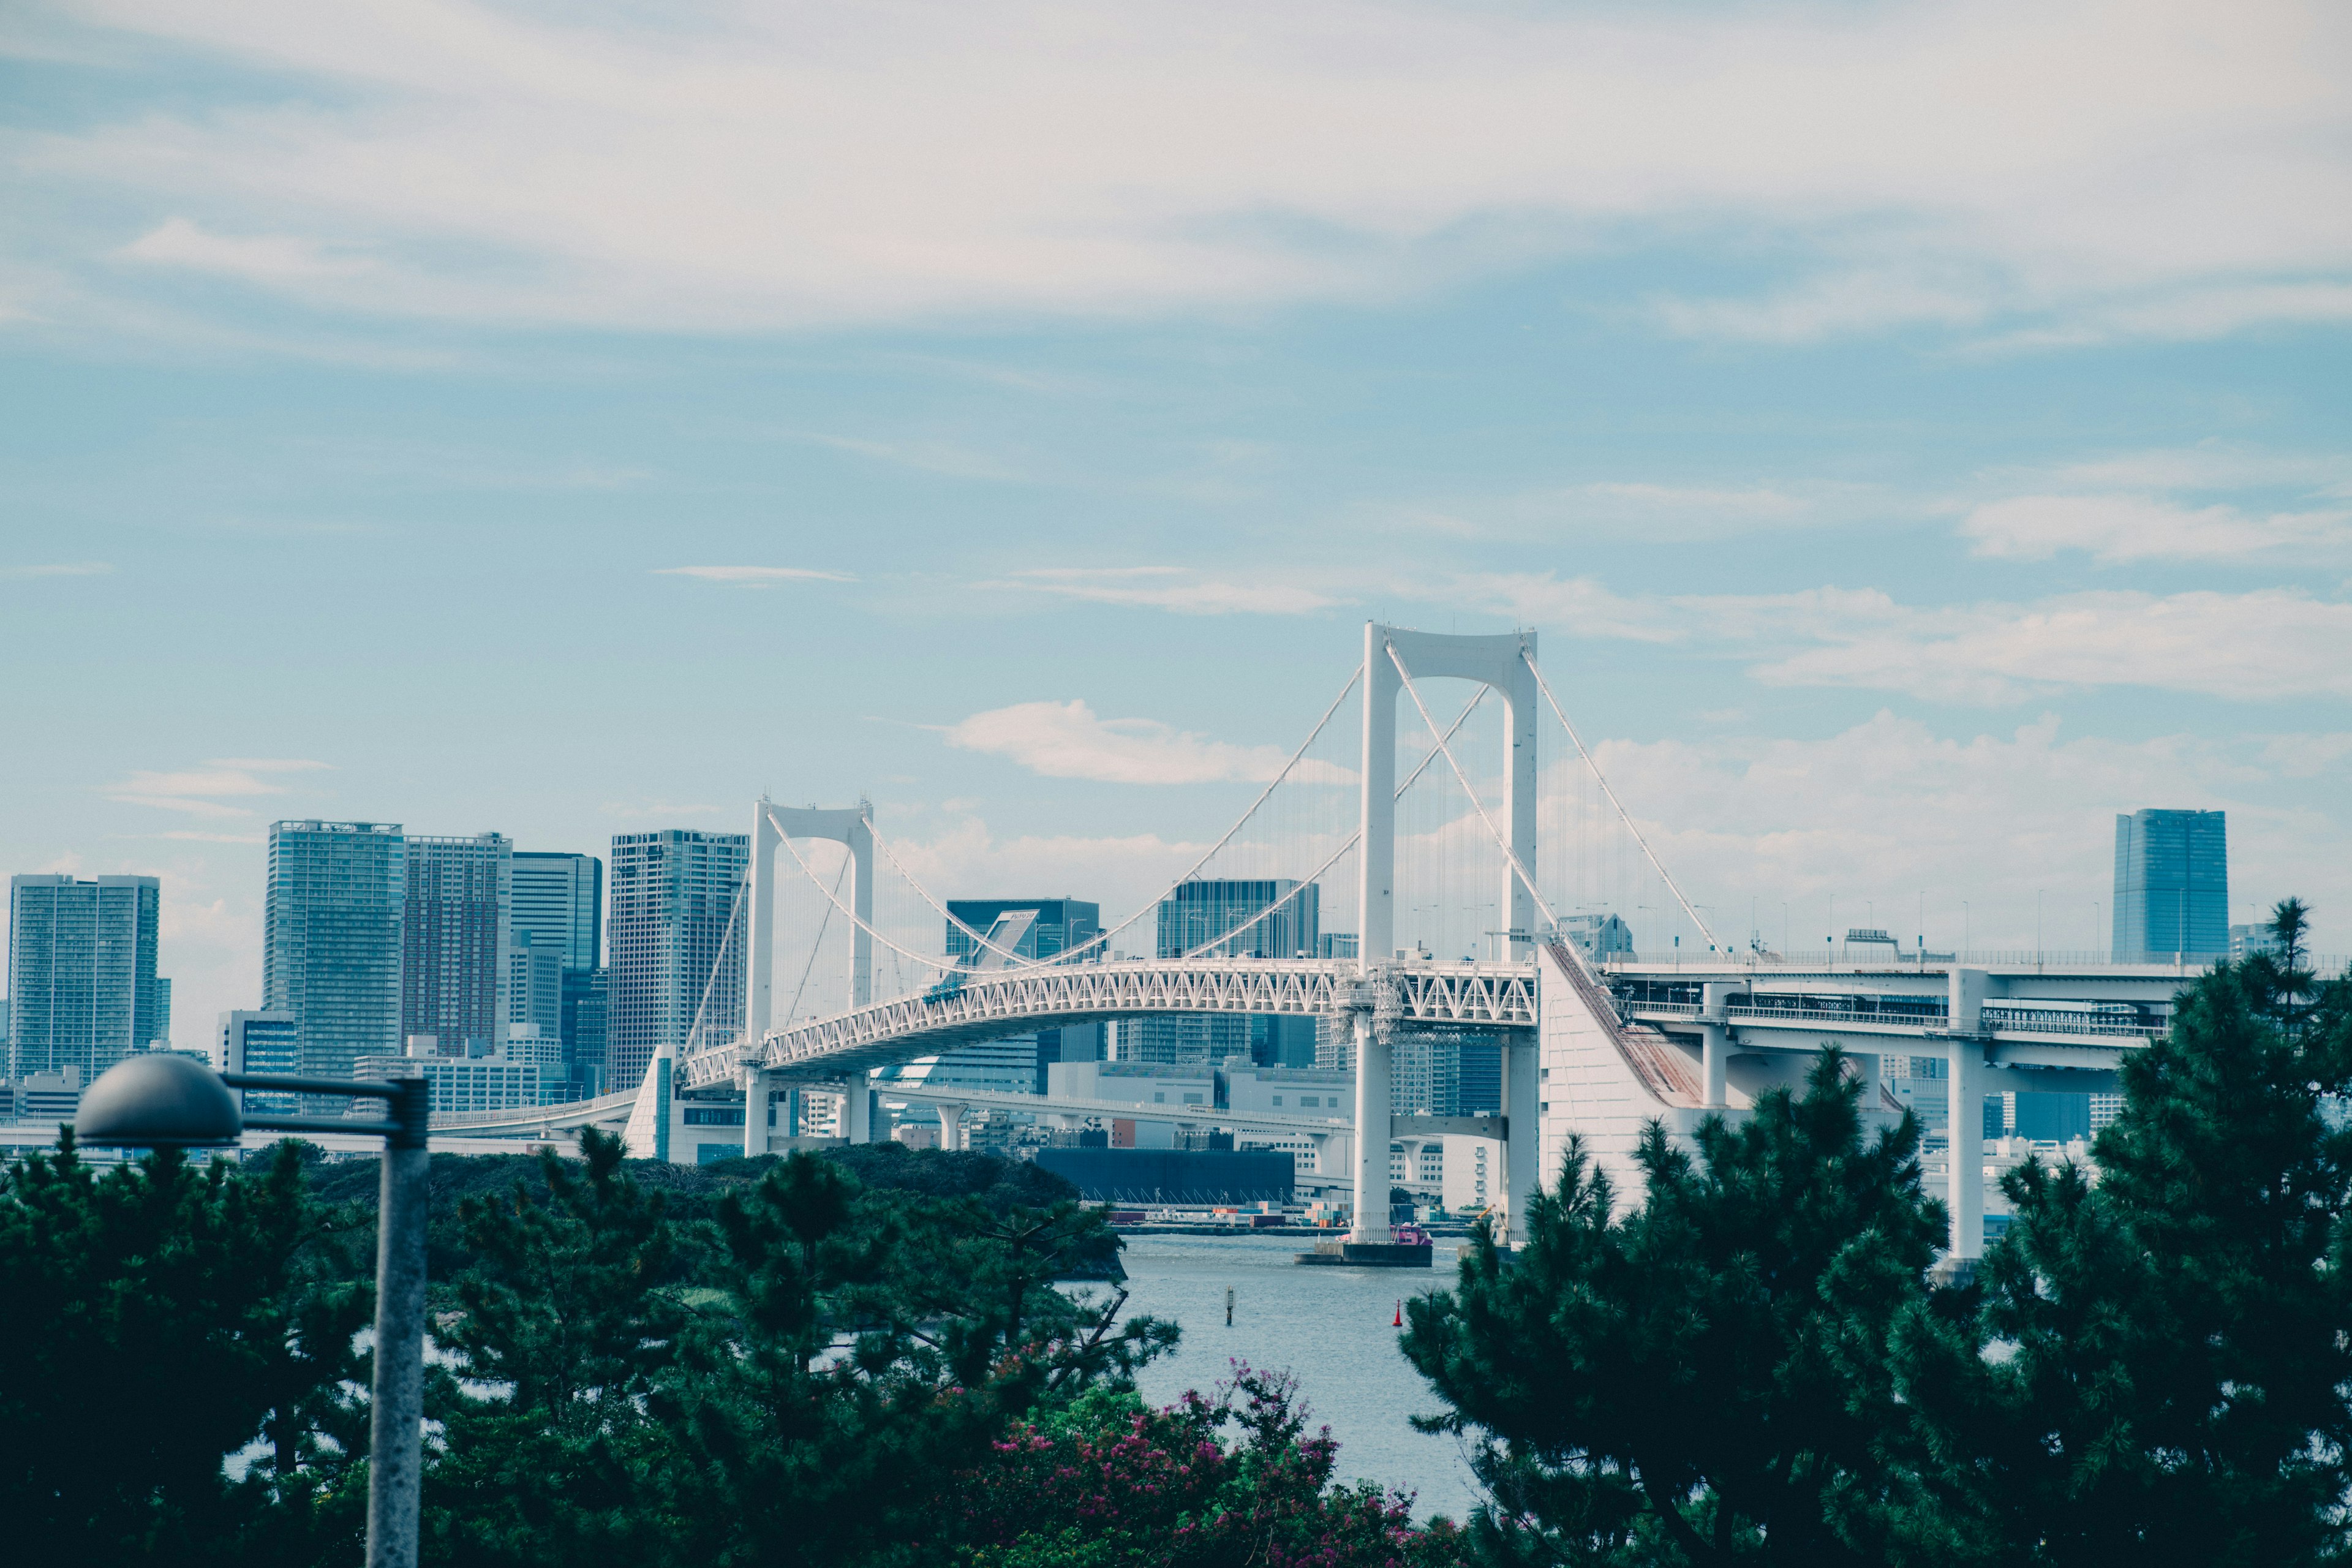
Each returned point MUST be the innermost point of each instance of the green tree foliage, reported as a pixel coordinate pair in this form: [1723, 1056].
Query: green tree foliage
[1703, 1379]
[153, 1319]
[2161, 1370]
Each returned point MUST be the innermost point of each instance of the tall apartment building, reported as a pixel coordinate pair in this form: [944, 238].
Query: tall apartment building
[672, 906]
[331, 949]
[453, 940]
[82, 990]
[2172, 886]
[559, 907]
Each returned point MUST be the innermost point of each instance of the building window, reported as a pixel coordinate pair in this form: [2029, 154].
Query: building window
[1278, 1100]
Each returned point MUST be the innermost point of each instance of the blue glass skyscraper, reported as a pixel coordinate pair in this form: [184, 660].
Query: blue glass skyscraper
[332, 938]
[2172, 886]
[82, 990]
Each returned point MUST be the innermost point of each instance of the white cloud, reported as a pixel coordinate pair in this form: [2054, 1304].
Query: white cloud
[1891, 808]
[268, 258]
[2139, 527]
[2266, 645]
[1067, 740]
[755, 576]
[784, 164]
[1576, 606]
[63, 568]
[205, 791]
[1171, 588]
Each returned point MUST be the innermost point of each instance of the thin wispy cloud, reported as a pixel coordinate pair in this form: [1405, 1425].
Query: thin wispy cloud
[2145, 528]
[755, 576]
[1070, 740]
[1171, 588]
[212, 790]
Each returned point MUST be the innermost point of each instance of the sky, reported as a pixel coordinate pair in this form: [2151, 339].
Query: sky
[1915, 433]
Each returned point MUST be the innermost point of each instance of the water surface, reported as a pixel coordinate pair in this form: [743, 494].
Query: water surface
[1330, 1328]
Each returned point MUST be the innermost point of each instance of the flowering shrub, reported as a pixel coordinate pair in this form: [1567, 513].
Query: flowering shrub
[1108, 1480]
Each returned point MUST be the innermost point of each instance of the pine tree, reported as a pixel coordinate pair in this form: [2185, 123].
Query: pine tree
[557, 1337]
[1703, 1379]
[155, 1319]
[2161, 1370]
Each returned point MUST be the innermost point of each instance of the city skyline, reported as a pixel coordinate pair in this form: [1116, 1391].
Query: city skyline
[1900, 491]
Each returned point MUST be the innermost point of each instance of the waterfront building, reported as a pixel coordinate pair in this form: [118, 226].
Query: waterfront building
[1241, 918]
[259, 1042]
[454, 938]
[484, 1077]
[2245, 940]
[332, 938]
[673, 904]
[2172, 886]
[558, 901]
[83, 988]
[43, 1095]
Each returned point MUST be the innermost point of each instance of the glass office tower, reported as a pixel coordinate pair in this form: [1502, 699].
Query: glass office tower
[673, 904]
[559, 902]
[82, 991]
[2172, 886]
[332, 938]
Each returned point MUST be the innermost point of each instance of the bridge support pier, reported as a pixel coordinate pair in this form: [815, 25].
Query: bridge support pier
[1964, 1196]
[1370, 1223]
[1523, 1137]
[757, 1086]
[951, 1127]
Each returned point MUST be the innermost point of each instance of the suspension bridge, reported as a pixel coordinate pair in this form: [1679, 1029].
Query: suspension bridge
[1474, 873]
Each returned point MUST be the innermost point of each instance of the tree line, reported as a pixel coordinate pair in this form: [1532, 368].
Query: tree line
[878, 1357]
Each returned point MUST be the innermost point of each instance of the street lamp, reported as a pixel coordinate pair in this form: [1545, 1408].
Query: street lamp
[157, 1100]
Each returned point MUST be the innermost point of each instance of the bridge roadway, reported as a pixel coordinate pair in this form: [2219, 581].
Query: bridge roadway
[980, 1004]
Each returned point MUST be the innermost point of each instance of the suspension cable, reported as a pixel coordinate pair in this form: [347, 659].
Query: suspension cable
[1102, 937]
[1352, 839]
[922, 959]
[823, 925]
[1603, 779]
[701, 1008]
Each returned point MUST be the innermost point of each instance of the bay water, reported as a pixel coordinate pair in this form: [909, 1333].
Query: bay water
[1331, 1328]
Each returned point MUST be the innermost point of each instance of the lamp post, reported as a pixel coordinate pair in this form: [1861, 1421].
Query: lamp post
[160, 1100]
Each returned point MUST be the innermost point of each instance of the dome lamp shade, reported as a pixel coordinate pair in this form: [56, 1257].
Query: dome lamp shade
[158, 1099]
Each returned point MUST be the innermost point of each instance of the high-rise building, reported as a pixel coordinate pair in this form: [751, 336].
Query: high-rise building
[673, 904]
[1239, 917]
[583, 1031]
[559, 903]
[332, 938]
[82, 991]
[558, 898]
[2172, 886]
[453, 939]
